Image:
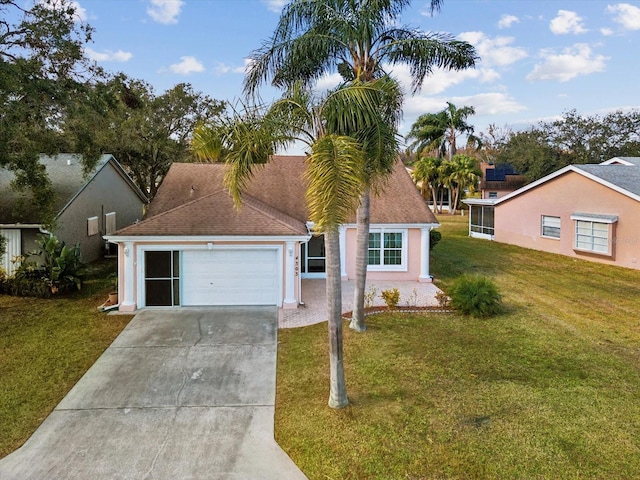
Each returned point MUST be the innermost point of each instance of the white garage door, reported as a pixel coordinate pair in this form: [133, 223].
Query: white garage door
[230, 277]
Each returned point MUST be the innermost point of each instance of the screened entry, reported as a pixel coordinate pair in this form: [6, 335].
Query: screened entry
[481, 221]
[162, 278]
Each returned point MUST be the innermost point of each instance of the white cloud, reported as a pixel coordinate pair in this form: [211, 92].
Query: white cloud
[497, 51]
[108, 55]
[606, 32]
[567, 22]
[187, 65]
[223, 68]
[572, 62]
[80, 11]
[275, 5]
[327, 82]
[165, 11]
[507, 20]
[626, 15]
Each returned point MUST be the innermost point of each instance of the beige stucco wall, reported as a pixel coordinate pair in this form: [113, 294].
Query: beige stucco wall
[106, 192]
[412, 271]
[518, 221]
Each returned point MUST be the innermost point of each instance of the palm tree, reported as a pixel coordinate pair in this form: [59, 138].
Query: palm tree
[335, 169]
[426, 172]
[461, 173]
[354, 38]
[439, 131]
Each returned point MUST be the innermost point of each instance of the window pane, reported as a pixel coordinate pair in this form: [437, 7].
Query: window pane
[487, 216]
[475, 214]
[157, 264]
[176, 264]
[374, 257]
[374, 240]
[176, 291]
[393, 257]
[392, 240]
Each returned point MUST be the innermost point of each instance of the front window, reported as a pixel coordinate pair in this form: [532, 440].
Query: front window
[592, 236]
[550, 226]
[386, 249]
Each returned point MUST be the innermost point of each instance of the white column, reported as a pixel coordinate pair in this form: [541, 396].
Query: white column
[343, 250]
[424, 256]
[128, 303]
[290, 276]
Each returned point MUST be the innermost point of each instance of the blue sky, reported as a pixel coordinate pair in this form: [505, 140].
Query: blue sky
[538, 58]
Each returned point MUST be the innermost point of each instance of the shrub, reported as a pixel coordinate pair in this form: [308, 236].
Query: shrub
[60, 270]
[391, 297]
[475, 295]
[434, 237]
[443, 300]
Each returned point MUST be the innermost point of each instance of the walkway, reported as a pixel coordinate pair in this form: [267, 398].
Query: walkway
[315, 304]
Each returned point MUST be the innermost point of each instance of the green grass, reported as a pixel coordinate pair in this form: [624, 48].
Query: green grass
[46, 345]
[550, 388]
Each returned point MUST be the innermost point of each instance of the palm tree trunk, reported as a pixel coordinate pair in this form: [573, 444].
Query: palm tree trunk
[362, 250]
[434, 196]
[337, 390]
[454, 207]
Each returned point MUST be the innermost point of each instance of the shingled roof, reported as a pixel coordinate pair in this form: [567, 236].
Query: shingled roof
[192, 201]
[68, 177]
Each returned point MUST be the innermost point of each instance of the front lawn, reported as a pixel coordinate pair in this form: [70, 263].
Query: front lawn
[46, 345]
[548, 389]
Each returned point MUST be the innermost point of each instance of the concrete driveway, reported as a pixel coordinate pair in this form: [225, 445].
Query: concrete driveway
[180, 394]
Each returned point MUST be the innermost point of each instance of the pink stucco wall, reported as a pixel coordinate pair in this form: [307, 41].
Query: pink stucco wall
[518, 220]
[412, 271]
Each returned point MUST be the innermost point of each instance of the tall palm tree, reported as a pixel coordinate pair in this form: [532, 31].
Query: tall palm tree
[335, 169]
[439, 131]
[355, 38]
[461, 173]
[426, 172]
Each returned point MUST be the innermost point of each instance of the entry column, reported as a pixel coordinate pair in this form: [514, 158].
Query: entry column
[290, 275]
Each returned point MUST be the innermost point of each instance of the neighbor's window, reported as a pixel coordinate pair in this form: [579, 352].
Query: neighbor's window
[493, 194]
[550, 226]
[92, 226]
[386, 249]
[592, 236]
[110, 223]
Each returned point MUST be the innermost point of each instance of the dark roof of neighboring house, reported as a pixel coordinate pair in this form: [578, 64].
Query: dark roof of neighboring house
[68, 178]
[620, 173]
[192, 201]
[499, 172]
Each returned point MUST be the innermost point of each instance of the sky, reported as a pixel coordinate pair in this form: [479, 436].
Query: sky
[538, 58]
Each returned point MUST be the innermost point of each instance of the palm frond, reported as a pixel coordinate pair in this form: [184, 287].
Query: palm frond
[334, 176]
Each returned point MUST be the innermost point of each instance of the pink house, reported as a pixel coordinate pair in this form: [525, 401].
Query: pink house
[583, 211]
[194, 248]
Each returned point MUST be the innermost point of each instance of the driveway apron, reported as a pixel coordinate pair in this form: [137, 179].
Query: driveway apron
[180, 394]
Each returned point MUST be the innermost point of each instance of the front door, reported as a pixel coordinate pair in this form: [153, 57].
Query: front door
[313, 258]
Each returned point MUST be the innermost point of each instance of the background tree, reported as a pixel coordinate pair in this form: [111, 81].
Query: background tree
[144, 131]
[463, 173]
[438, 132]
[426, 172]
[354, 38]
[42, 67]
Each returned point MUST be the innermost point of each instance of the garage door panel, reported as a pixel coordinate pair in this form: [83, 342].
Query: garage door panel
[231, 277]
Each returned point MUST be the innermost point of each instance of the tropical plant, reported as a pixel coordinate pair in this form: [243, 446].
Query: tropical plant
[354, 38]
[426, 174]
[391, 297]
[438, 132]
[334, 168]
[463, 173]
[475, 295]
[58, 269]
[434, 237]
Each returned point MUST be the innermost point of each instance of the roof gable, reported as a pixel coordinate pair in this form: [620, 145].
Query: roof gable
[280, 185]
[215, 215]
[622, 177]
[68, 178]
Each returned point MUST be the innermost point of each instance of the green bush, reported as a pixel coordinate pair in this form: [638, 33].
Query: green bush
[59, 271]
[434, 237]
[475, 295]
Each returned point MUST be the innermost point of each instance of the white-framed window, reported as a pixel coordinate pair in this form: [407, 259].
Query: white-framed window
[92, 226]
[593, 233]
[109, 223]
[493, 194]
[550, 226]
[387, 249]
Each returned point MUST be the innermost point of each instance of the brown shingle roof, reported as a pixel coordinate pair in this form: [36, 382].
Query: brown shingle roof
[275, 199]
[214, 214]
